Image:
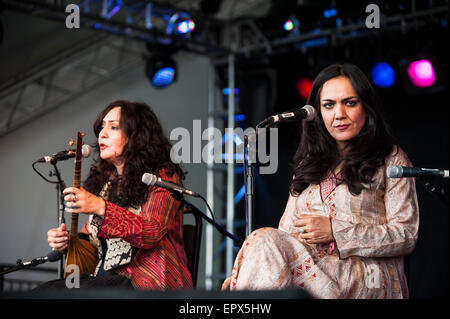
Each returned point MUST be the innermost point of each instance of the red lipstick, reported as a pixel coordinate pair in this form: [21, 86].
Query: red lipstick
[342, 127]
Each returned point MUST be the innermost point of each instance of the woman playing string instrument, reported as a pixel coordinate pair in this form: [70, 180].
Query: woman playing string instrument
[137, 229]
[346, 225]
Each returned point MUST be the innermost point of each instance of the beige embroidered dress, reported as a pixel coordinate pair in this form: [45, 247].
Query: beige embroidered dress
[372, 231]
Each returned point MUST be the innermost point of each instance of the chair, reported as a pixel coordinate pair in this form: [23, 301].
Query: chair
[192, 236]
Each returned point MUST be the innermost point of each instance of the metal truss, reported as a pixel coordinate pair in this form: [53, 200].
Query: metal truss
[147, 21]
[64, 78]
[154, 22]
[220, 177]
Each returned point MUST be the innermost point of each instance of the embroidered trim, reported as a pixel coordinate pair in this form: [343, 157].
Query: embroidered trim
[329, 184]
[331, 248]
[118, 251]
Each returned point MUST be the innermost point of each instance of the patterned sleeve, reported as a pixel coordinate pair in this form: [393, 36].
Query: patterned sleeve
[288, 218]
[149, 227]
[397, 236]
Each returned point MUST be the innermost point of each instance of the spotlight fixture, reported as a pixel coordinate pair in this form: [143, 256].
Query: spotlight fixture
[383, 75]
[421, 73]
[187, 26]
[291, 24]
[181, 22]
[161, 70]
[288, 25]
[332, 12]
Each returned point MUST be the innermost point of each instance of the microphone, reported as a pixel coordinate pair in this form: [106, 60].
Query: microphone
[402, 171]
[151, 179]
[52, 256]
[86, 151]
[307, 113]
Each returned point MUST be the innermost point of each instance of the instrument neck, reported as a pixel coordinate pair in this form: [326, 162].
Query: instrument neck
[76, 184]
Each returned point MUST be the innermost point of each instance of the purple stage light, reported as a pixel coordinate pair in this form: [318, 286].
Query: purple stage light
[421, 73]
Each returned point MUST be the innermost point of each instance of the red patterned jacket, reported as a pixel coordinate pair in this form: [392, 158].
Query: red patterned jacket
[157, 232]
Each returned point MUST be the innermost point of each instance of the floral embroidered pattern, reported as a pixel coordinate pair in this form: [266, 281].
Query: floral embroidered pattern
[275, 259]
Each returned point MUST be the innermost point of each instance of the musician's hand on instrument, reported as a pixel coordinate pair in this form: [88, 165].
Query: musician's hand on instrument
[79, 200]
[314, 229]
[58, 238]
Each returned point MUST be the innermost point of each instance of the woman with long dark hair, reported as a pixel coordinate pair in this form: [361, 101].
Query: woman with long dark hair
[136, 229]
[346, 226]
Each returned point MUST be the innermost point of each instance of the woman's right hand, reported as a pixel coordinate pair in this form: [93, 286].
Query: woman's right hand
[58, 238]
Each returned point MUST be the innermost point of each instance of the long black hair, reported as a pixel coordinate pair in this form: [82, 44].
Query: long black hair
[317, 152]
[147, 150]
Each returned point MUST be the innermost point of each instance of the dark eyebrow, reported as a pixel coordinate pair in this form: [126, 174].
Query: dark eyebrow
[345, 99]
[111, 121]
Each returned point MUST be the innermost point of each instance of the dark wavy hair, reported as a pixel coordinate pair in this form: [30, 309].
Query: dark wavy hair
[147, 150]
[317, 153]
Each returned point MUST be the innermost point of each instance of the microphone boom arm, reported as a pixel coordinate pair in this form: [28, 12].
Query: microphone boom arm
[36, 261]
[197, 212]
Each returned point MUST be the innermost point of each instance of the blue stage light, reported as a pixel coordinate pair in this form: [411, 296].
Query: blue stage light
[163, 77]
[383, 75]
[110, 14]
[330, 13]
[239, 117]
[226, 91]
[240, 194]
[161, 71]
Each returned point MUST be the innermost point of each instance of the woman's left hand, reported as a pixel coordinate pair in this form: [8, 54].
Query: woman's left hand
[314, 229]
[79, 200]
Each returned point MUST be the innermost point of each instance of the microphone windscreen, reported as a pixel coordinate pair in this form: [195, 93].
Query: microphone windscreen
[394, 171]
[148, 179]
[86, 150]
[54, 255]
[311, 112]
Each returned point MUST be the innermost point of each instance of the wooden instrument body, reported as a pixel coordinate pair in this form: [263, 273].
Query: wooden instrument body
[79, 252]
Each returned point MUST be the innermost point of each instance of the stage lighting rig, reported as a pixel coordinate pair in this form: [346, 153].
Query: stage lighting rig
[383, 75]
[161, 70]
[181, 24]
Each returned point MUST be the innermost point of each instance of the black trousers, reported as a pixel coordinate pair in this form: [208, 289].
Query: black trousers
[109, 280]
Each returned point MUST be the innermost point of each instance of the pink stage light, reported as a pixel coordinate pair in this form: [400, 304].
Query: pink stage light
[421, 73]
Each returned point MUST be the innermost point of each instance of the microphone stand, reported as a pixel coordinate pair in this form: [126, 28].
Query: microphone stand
[249, 189]
[21, 265]
[249, 169]
[60, 186]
